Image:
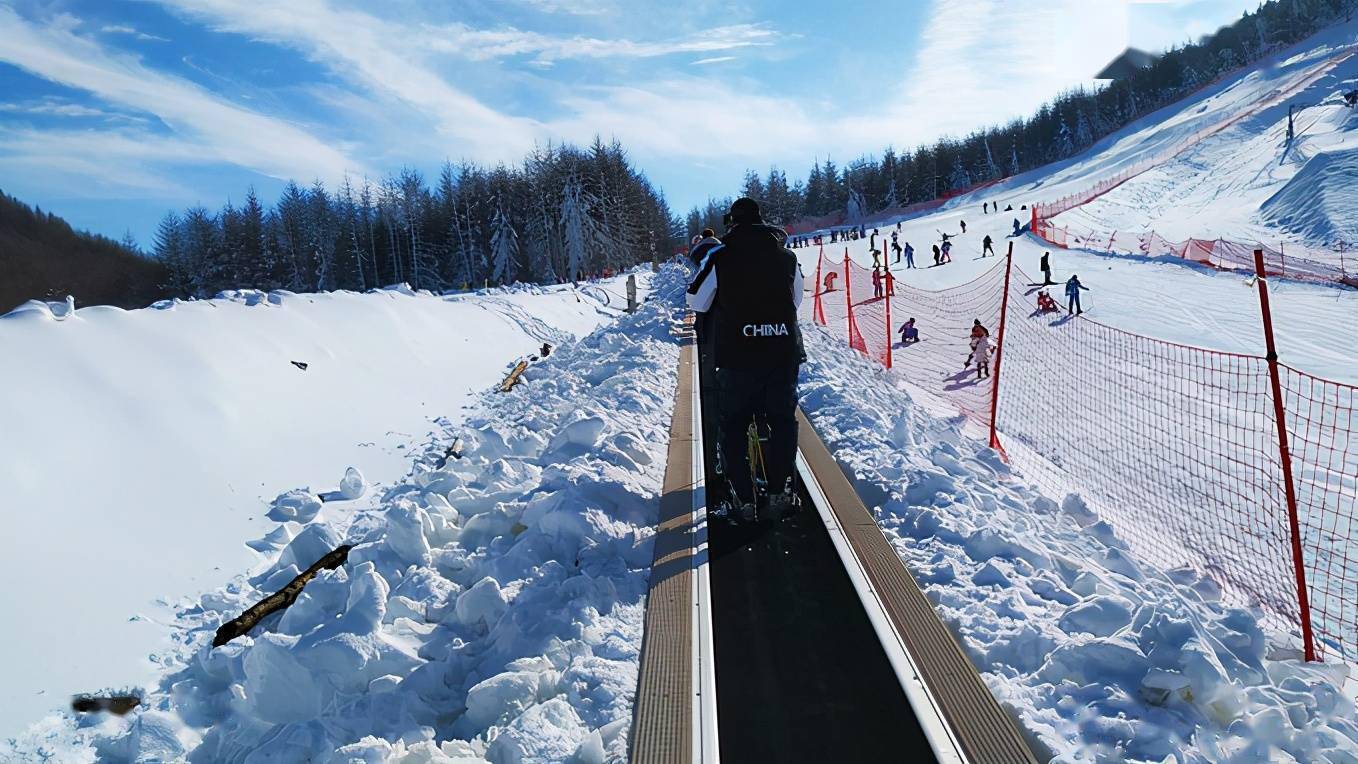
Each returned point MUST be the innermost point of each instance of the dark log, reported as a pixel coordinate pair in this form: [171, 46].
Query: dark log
[114, 704]
[279, 600]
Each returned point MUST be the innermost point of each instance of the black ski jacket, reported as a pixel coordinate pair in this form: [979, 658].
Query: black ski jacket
[757, 284]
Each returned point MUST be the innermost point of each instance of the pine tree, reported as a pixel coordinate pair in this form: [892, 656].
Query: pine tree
[959, 178]
[504, 247]
[991, 170]
[1065, 144]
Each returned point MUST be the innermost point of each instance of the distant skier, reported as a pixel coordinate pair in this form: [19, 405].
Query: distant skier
[889, 281]
[1045, 265]
[1017, 227]
[876, 258]
[896, 248]
[872, 240]
[938, 255]
[964, 225]
[978, 332]
[947, 252]
[909, 255]
[1073, 287]
[909, 334]
[876, 281]
[980, 352]
[985, 208]
[986, 246]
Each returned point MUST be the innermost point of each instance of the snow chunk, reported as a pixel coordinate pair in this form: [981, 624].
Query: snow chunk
[352, 485]
[298, 505]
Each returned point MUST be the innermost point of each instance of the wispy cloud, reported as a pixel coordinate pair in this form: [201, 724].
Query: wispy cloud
[125, 29]
[60, 107]
[714, 60]
[573, 7]
[377, 56]
[486, 44]
[218, 128]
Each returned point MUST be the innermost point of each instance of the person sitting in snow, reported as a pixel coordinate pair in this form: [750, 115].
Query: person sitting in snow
[1045, 303]
[909, 334]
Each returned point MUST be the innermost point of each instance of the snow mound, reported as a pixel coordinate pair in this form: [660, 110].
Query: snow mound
[1102, 657]
[491, 607]
[1320, 202]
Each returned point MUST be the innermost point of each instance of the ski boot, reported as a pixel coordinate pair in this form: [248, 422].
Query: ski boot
[783, 504]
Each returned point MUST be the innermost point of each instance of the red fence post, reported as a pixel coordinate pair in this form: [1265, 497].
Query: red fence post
[1303, 597]
[818, 310]
[999, 352]
[848, 299]
[890, 287]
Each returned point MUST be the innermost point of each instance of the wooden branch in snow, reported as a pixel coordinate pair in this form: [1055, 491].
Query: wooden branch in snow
[279, 600]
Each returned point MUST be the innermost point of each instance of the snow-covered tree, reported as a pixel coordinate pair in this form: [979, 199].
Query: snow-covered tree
[504, 247]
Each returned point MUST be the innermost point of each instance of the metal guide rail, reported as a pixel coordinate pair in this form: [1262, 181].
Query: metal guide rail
[808, 641]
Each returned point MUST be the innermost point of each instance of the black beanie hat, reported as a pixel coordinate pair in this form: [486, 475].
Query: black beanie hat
[745, 210]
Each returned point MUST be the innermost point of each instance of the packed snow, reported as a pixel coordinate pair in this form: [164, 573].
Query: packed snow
[143, 448]
[490, 610]
[1100, 656]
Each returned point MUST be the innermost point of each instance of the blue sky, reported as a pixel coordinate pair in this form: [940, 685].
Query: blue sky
[113, 112]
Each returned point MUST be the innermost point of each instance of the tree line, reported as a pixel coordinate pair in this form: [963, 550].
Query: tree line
[42, 257]
[1059, 129]
[564, 213]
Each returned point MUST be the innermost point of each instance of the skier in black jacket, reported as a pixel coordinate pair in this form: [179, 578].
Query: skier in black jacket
[755, 284]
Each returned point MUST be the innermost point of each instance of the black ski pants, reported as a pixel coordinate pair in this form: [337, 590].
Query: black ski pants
[768, 395]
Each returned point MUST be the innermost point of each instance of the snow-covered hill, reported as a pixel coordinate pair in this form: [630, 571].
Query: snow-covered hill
[141, 449]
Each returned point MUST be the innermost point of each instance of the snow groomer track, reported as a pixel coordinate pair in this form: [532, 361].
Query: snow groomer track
[805, 642]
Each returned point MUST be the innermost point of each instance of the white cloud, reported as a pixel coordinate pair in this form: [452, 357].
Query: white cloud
[97, 163]
[573, 7]
[484, 44]
[713, 60]
[376, 55]
[57, 107]
[126, 29]
[218, 129]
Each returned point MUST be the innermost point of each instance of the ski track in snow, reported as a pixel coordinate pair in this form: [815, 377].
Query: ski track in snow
[146, 445]
[491, 609]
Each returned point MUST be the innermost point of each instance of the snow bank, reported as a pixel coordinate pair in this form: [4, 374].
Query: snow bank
[1319, 202]
[142, 447]
[1101, 657]
[490, 610]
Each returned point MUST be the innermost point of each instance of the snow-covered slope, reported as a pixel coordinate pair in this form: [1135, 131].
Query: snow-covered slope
[140, 449]
[491, 608]
[1101, 656]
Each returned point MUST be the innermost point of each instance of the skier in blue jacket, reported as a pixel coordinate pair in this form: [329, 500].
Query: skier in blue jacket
[1073, 287]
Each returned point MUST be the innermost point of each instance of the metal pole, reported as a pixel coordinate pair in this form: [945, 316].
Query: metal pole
[999, 353]
[1294, 525]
